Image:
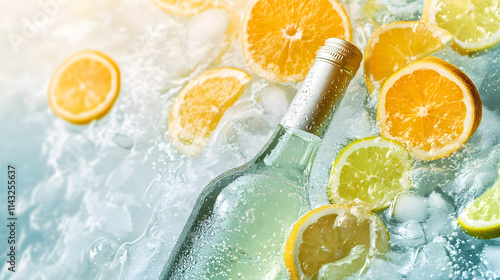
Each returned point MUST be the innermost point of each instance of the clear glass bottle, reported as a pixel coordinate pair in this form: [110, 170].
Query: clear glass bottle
[241, 220]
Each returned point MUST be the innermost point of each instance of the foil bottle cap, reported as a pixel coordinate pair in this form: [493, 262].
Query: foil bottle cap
[341, 52]
[312, 107]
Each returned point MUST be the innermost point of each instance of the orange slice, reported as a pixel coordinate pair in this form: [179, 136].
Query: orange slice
[395, 45]
[334, 242]
[430, 106]
[280, 37]
[182, 7]
[200, 105]
[84, 87]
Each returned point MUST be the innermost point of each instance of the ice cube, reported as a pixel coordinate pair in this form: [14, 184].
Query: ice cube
[490, 86]
[274, 100]
[381, 269]
[491, 259]
[402, 258]
[198, 35]
[432, 262]
[409, 234]
[403, 10]
[108, 216]
[483, 142]
[245, 129]
[102, 251]
[123, 141]
[144, 259]
[427, 177]
[205, 43]
[70, 250]
[173, 209]
[408, 206]
[477, 175]
[441, 219]
[48, 191]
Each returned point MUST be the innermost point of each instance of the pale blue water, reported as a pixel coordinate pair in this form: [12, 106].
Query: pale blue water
[107, 200]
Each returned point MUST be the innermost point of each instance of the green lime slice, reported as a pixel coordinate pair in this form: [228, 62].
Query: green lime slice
[481, 218]
[370, 171]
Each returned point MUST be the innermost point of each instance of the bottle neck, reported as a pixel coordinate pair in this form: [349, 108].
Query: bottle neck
[289, 153]
[321, 92]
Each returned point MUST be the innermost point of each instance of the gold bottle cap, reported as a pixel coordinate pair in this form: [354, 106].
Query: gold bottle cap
[342, 53]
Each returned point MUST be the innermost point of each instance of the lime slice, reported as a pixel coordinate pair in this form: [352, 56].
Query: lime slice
[370, 171]
[481, 218]
[475, 24]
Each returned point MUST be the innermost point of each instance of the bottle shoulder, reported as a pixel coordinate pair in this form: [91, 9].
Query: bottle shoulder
[251, 176]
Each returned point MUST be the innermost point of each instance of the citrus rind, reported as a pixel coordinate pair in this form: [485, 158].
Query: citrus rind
[103, 107]
[397, 150]
[490, 40]
[379, 236]
[471, 100]
[269, 71]
[193, 144]
[442, 35]
[183, 7]
[476, 218]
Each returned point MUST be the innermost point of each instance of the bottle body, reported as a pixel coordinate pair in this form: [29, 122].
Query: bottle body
[242, 219]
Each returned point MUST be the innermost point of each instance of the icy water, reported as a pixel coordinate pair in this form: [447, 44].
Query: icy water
[108, 200]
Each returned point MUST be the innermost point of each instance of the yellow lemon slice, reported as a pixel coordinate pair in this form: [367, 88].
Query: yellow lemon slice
[371, 172]
[200, 105]
[475, 24]
[84, 87]
[280, 38]
[481, 218]
[431, 107]
[183, 7]
[334, 242]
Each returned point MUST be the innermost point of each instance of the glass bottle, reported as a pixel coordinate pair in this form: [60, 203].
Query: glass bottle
[241, 220]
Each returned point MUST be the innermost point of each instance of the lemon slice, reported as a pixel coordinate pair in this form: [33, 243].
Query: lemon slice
[395, 45]
[481, 218]
[280, 38]
[182, 7]
[334, 242]
[475, 24]
[200, 105]
[431, 107]
[371, 172]
[84, 87]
